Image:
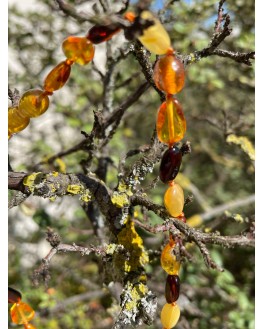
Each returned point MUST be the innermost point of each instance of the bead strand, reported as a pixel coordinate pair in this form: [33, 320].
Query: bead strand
[21, 313]
[169, 76]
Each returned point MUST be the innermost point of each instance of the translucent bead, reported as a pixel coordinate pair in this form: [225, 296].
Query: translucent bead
[170, 123]
[170, 315]
[101, 33]
[168, 260]
[21, 313]
[16, 121]
[78, 49]
[57, 77]
[155, 38]
[174, 200]
[169, 74]
[170, 164]
[14, 296]
[33, 103]
[172, 288]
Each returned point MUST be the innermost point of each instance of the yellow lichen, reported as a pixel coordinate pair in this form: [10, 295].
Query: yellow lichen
[31, 180]
[119, 199]
[244, 143]
[74, 189]
[55, 173]
[61, 165]
[86, 196]
[123, 188]
[133, 243]
[136, 292]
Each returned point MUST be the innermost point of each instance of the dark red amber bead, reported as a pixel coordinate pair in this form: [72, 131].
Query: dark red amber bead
[100, 33]
[170, 164]
[172, 288]
[14, 296]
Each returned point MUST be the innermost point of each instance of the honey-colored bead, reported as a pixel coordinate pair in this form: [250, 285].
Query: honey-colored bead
[78, 49]
[170, 123]
[14, 296]
[155, 38]
[33, 103]
[16, 121]
[174, 200]
[57, 77]
[170, 315]
[169, 74]
[21, 313]
[168, 260]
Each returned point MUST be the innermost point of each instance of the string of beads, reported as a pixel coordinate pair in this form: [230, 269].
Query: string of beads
[169, 76]
[21, 313]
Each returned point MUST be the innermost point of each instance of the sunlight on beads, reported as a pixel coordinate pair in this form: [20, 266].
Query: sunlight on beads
[170, 315]
[78, 49]
[174, 200]
[21, 313]
[33, 103]
[16, 121]
[168, 260]
[57, 77]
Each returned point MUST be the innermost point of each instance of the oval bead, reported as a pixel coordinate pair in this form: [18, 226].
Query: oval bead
[169, 74]
[16, 121]
[155, 38]
[170, 164]
[172, 288]
[170, 123]
[101, 33]
[21, 313]
[170, 315]
[33, 103]
[78, 49]
[174, 200]
[168, 260]
[14, 296]
[57, 77]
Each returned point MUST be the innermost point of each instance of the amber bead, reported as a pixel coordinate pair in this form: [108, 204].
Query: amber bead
[154, 38]
[78, 49]
[170, 123]
[16, 121]
[169, 74]
[57, 77]
[168, 260]
[14, 296]
[170, 164]
[33, 103]
[170, 315]
[101, 33]
[172, 288]
[182, 217]
[21, 313]
[174, 200]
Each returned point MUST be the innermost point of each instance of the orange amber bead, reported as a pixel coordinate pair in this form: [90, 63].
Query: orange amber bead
[174, 200]
[78, 49]
[170, 315]
[57, 77]
[21, 313]
[16, 121]
[33, 103]
[169, 74]
[168, 260]
[155, 38]
[170, 124]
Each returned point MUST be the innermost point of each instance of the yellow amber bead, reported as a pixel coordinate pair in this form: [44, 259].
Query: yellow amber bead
[170, 123]
[16, 121]
[155, 38]
[174, 200]
[78, 49]
[168, 260]
[170, 315]
[21, 313]
[58, 76]
[33, 103]
[169, 74]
